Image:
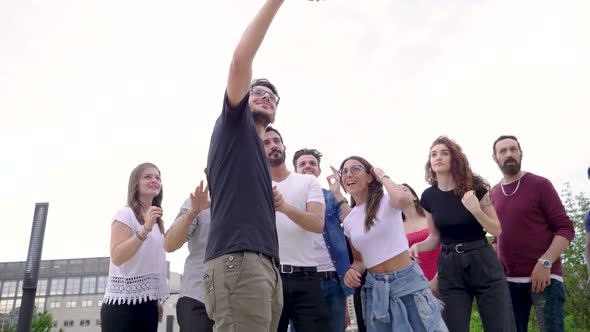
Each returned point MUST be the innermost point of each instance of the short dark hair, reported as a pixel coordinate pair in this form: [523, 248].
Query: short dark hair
[264, 82]
[503, 137]
[304, 152]
[270, 128]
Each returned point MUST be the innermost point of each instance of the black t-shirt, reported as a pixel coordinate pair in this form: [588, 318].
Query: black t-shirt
[238, 173]
[454, 222]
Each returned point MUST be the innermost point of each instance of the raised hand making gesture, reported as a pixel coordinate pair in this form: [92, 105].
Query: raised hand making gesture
[334, 180]
[379, 174]
[200, 199]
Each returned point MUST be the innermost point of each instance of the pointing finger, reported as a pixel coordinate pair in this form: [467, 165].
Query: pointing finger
[334, 170]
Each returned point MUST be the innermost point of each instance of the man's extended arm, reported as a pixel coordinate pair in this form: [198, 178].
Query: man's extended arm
[240, 72]
[563, 228]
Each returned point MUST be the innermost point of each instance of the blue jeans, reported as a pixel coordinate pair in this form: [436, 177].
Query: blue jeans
[401, 301]
[548, 306]
[336, 302]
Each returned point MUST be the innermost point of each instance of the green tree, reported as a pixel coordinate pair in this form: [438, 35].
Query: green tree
[41, 322]
[575, 273]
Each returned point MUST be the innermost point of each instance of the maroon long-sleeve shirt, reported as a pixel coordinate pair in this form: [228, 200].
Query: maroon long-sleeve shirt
[530, 219]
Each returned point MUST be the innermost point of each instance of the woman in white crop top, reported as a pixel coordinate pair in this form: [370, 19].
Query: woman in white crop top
[396, 295]
[137, 272]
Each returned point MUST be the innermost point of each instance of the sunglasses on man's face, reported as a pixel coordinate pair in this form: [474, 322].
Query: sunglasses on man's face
[354, 170]
[258, 92]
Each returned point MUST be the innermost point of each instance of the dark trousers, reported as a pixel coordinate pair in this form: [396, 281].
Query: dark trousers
[335, 301]
[548, 306]
[192, 316]
[303, 303]
[358, 306]
[474, 273]
[129, 317]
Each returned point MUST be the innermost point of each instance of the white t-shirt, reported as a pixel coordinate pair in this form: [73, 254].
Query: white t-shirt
[296, 245]
[385, 239]
[322, 255]
[144, 276]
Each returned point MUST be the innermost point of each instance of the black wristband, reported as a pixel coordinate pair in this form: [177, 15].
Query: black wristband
[342, 201]
[141, 238]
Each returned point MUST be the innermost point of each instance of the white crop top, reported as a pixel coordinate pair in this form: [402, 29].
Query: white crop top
[385, 239]
[143, 276]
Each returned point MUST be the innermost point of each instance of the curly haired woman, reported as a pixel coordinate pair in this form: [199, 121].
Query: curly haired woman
[459, 212]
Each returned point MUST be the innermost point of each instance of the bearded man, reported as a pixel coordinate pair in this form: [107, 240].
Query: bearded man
[536, 231]
[300, 212]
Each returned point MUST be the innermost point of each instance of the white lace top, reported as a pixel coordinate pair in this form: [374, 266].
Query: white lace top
[143, 276]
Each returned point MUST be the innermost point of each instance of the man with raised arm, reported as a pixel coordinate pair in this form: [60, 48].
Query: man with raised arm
[241, 283]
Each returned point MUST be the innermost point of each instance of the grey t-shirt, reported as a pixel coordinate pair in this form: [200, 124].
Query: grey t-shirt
[197, 242]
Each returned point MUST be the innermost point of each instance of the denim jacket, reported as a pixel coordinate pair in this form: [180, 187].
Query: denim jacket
[335, 240]
[383, 301]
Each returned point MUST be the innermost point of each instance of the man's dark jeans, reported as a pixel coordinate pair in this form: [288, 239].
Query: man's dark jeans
[548, 306]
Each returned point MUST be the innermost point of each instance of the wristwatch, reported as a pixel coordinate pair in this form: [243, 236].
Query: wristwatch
[545, 263]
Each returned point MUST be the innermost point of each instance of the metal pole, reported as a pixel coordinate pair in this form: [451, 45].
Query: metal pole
[31, 276]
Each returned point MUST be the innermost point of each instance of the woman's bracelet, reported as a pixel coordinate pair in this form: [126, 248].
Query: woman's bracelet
[141, 238]
[383, 177]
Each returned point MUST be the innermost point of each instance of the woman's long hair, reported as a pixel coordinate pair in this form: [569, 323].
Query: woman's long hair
[416, 202]
[465, 179]
[374, 196]
[133, 194]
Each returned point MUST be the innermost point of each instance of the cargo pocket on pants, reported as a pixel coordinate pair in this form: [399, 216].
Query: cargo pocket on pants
[208, 288]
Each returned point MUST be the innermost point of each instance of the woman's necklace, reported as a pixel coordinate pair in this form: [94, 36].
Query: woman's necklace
[515, 190]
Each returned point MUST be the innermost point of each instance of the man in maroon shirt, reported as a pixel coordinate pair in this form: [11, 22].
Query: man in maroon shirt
[536, 231]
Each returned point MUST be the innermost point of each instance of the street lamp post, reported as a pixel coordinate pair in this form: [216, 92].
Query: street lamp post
[31, 276]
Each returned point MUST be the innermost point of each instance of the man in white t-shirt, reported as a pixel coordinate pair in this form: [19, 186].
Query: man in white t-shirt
[331, 247]
[300, 211]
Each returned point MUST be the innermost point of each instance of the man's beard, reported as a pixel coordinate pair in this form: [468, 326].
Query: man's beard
[278, 161]
[512, 168]
[262, 118]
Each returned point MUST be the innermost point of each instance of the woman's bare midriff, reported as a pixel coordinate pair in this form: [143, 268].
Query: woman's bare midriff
[393, 264]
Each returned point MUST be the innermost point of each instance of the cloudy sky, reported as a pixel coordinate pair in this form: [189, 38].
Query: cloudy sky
[89, 89]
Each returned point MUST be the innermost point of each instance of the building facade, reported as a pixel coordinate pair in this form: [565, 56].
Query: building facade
[72, 290]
